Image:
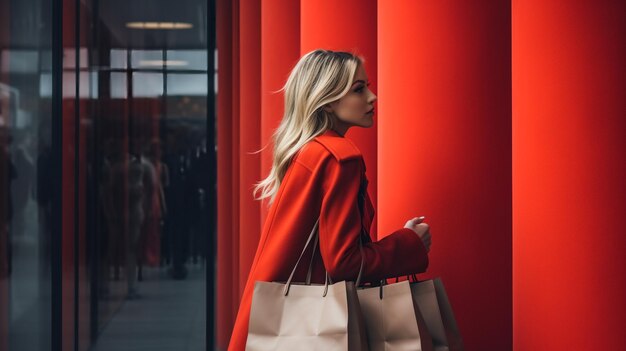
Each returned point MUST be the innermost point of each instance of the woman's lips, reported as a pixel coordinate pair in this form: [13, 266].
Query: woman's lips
[370, 111]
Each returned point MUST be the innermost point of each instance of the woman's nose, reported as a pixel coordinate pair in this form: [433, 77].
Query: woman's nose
[373, 98]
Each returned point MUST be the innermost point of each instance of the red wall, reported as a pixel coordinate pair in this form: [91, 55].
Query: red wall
[279, 19]
[348, 25]
[226, 304]
[569, 193]
[444, 143]
[249, 134]
[235, 152]
[503, 123]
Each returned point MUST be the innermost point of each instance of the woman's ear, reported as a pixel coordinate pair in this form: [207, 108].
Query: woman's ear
[328, 108]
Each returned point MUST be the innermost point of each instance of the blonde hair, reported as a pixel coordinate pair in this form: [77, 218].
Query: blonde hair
[319, 77]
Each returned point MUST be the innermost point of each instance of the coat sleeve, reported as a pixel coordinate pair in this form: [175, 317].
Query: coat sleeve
[398, 254]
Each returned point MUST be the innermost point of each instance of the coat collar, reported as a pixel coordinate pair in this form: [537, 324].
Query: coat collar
[331, 132]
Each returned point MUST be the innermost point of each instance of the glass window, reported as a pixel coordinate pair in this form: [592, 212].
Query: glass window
[25, 164]
[119, 58]
[135, 162]
[146, 58]
[187, 84]
[147, 84]
[189, 59]
[119, 88]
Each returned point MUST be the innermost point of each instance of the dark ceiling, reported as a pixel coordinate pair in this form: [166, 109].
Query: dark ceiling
[114, 15]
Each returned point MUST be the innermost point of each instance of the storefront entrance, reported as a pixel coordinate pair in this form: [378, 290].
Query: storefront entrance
[107, 165]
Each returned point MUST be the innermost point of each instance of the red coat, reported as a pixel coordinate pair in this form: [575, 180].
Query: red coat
[323, 181]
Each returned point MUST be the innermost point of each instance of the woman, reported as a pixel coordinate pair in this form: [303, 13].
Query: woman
[318, 173]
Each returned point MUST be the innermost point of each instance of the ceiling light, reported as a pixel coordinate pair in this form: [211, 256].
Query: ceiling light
[159, 25]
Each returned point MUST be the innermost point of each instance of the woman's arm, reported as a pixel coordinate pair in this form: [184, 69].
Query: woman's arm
[400, 253]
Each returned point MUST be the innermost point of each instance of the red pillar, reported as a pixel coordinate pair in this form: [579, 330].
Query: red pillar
[569, 193]
[234, 172]
[250, 134]
[279, 19]
[445, 150]
[225, 270]
[348, 25]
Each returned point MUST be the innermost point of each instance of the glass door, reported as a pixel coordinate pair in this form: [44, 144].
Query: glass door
[144, 111]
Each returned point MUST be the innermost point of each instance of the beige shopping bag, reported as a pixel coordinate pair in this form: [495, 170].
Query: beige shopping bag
[431, 298]
[392, 319]
[288, 316]
[305, 319]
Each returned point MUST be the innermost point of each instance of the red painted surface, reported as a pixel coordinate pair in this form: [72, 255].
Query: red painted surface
[453, 146]
[348, 25]
[569, 193]
[264, 68]
[249, 134]
[279, 19]
[444, 146]
[235, 139]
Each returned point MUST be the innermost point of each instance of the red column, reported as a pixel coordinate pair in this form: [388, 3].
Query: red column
[445, 150]
[348, 25]
[234, 172]
[225, 270]
[250, 134]
[279, 19]
[569, 193]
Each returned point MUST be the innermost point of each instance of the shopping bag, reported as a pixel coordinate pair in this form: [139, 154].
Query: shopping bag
[288, 316]
[305, 319]
[432, 300]
[392, 319]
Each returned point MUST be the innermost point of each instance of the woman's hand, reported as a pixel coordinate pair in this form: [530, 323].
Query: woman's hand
[421, 229]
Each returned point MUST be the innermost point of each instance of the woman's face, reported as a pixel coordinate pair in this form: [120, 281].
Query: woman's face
[356, 108]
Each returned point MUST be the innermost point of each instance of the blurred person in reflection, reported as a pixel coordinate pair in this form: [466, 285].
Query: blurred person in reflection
[154, 206]
[319, 173]
[128, 177]
[113, 197]
[141, 178]
[21, 185]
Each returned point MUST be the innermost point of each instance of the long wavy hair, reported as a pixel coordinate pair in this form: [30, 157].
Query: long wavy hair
[319, 77]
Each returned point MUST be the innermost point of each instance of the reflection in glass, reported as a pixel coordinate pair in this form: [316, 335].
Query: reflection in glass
[135, 168]
[195, 59]
[139, 57]
[147, 84]
[25, 201]
[187, 84]
[118, 58]
[119, 87]
[150, 169]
